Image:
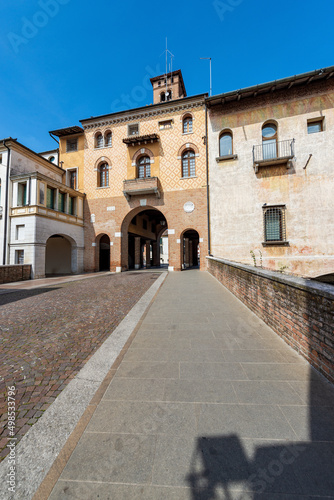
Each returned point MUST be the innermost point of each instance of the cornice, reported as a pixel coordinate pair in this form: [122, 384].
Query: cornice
[147, 112]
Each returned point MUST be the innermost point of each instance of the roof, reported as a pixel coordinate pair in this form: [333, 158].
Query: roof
[146, 108]
[62, 132]
[138, 139]
[282, 84]
[15, 141]
[48, 152]
[178, 73]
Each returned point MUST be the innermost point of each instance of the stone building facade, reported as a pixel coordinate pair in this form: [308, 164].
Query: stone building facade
[143, 172]
[271, 174]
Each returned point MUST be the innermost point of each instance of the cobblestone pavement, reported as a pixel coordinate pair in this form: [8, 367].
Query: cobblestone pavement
[48, 334]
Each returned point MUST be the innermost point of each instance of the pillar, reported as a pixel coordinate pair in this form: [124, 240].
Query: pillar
[156, 253]
[137, 252]
[191, 261]
[148, 254]
[186, 252]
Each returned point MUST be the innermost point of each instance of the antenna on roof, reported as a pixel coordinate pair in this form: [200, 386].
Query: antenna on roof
[209, 59]
[171, 66]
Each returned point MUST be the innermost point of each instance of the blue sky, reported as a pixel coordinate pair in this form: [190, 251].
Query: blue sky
[65, 60]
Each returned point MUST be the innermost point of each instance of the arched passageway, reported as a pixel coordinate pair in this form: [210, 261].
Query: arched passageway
[142, 231]
[59, 255]
[190, 255]
[104, 253]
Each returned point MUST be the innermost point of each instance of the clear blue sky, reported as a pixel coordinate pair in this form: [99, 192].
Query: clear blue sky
[81, 58]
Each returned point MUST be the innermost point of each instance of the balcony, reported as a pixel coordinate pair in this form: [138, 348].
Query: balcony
[143, 186]
[271, 153]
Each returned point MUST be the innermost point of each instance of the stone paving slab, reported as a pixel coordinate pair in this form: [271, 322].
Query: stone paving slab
[257, 423]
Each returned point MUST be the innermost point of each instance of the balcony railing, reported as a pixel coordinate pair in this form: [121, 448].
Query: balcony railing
[273, 153]
[142, 186]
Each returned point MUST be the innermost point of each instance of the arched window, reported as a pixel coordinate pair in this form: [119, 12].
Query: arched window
[108, 139]
[169, 95]
[188, 163]
[99, 140]
[144, 167]
[225, 144]
[162, 97]
[269, 141]
[187, 124]
[52, 159]
[103, 175]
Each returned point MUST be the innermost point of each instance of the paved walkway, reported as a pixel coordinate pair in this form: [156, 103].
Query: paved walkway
[207, 403]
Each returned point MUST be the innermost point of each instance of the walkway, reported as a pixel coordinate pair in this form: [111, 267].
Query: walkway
[207, 403]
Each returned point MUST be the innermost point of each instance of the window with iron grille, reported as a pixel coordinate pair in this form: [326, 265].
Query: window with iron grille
[188, 164]
[71, 145]
[99, 140]
[274, 224]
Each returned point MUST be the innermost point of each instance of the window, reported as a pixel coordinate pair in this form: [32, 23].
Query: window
[133, 129]
[162, 97]
[144, 167]
[169, 95]
[72, 178]
[99, 140]
[61, 202]
[188, 163]
[187, 124]
[50, 197]
[71, 205]
[103, 175]
[22, 193]
[19, 257]
[108, 139]
[52, 159]
[225, 144]
[71, 145]
[41, 193]
[315, 125]
[19, 233]
[274, 224]
[165, 124]
[269, 141]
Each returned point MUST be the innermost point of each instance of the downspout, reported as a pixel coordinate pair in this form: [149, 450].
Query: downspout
[4, 258]
[207, 179]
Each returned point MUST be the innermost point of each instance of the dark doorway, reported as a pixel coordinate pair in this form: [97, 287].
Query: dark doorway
[190, 249]
[104, 253]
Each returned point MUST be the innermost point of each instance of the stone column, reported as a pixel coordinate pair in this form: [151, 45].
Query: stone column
[186, 252]
[148, 254]
[137, 252]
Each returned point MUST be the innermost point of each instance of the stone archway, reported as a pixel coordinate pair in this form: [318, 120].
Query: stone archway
[60, 255]
[190, 257]
[141, 230]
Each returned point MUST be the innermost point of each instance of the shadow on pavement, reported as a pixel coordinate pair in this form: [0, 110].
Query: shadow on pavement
[15, 295]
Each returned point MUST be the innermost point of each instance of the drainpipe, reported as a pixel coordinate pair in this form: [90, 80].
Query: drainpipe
[207, 178]
[4, 259]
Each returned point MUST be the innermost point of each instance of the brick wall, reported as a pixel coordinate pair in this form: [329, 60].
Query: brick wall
[300, 311]
[9, 274]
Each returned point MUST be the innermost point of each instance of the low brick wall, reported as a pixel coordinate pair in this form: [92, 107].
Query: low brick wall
[300, 311]
[9, 274]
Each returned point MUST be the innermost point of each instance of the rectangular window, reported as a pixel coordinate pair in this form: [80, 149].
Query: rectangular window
[71, 205]
[72, 179]
[133, 129]
[19, 257]
[22, 194]
[19, 232]
[71, 145]
[274, 224]
[165, 124]
[41, 193]
[50, 197]
[315, 125]
[61, 202]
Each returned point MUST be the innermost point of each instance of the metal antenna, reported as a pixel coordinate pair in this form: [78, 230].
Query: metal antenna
[209, 58]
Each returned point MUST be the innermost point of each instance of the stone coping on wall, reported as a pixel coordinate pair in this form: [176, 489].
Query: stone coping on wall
[307, 285]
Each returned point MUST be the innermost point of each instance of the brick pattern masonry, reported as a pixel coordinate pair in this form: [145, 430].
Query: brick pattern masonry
[300, 311]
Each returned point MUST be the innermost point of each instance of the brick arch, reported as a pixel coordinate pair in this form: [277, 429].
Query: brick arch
[187, 146]
[142, 152]
[102, 159]
[186, 114]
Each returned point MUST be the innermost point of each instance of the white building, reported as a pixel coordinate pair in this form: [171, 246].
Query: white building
[52, 156]
[41, 217]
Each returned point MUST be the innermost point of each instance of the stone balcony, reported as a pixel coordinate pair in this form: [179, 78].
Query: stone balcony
[143, 186]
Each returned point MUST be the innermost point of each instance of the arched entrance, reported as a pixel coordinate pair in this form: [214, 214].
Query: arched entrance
[60, 255]
[190, 257]
[142, 231]
[104, 253]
